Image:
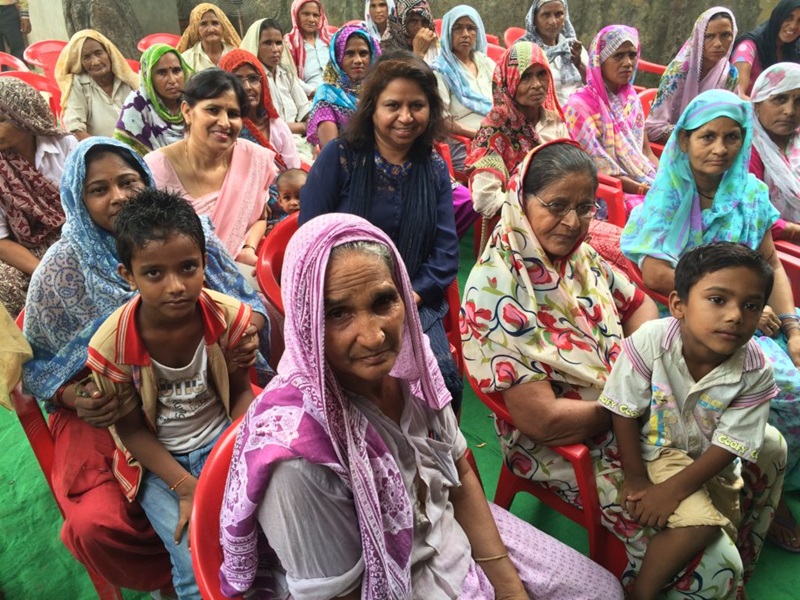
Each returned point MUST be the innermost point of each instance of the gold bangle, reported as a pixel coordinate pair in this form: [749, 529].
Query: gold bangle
[172, 488]
[249, 246]
[491, 558]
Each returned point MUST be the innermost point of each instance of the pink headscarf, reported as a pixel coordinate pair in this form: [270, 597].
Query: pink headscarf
[304, 413]
[294, 39]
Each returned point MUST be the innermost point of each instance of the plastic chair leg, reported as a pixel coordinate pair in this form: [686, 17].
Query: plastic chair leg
[506, 488]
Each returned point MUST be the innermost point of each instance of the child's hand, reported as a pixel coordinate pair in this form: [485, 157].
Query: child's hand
[243, 354]
[654, 506]
[632, 488]
[185, 499]
[95, 408]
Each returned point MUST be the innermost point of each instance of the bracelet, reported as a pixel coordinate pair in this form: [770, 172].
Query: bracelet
[491, 558]
[790, 326]
[172, 488]
[789, 317]
[643, 188]
[249, 246]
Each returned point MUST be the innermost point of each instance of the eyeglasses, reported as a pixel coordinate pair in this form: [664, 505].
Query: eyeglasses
[251, 80]
[561, 209]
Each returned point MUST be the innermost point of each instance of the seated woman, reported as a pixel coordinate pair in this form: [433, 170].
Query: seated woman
[548, 343]
[209, 36]
[225, 178]
[151, 116]
[373, 458]
[701, 64]
[548, 26]
[308, 43]
[464, 75]
[74, 289]
[353, 51]
[771, 42]
[384, 169]
[261, 123]
[704, 193]
[376, 17]
[776, 143]
[606, 117]
[525, 114]
[411, 28]
[95, 80]
[32, 155]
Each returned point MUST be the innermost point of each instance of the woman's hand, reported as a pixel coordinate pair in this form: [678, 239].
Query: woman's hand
[243, 354]
[424, 39]
[93, 407]
[769, 323]
[185, 500]
[247, 256]
[575, 49]
[793, 345]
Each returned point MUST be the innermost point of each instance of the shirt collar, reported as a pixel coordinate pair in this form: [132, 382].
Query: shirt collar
[130, 348]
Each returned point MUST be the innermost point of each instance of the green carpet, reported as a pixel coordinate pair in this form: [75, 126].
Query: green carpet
[34, 563]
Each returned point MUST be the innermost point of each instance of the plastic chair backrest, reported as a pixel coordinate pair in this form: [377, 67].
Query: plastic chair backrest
[650, 67]
[270, 260]
[204, 523]
[635, 275]
[332, 29]
[787, 247]
[492, 39]
[512, 34]
[444, 151]
[44, 54]
[647, 97]
[615, 201]
[495, 52]
[41, 84]
[10, 61]
[170, 39]
[437, 24]
[133, 64]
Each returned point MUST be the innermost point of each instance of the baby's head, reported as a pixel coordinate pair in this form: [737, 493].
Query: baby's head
[162, 248]
[289, 184]
[720, 291]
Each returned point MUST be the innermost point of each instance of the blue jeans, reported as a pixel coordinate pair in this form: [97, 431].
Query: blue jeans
[161, 507]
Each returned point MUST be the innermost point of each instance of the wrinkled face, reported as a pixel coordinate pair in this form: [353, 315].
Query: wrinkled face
[356, 58]
[558, 235]
[790, 28]
[364, 316]
[270, 48]
[414, 22]
[549, 21]
[720, 314]
[379, 12]
[717, 41]
[618, 68]
[251, 82]
[168, 274]
[309, 17]
[95, 60]
[168, 78]
[12, 137]
[401, 115]
[779, 115]
[110, 183]
[532, 88]
[210, 28]
[464, 36]
[712, 147]
[215, 123]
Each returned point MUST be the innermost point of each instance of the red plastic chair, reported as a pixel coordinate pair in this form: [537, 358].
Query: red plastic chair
[609, 189]
[791, 264]
[604, 548]
[437, 24]
[635, 275]
[44, 55]
[204, 524]
[270, 260]
[492, 39]
[41, 84]
[444, 151]
[332, 29]
[9, 61]
[133, 64]
[451, 326]
[650, 67]
[41, 440]
[647, 97]
[495, 52]
[512, 34]
[787, 247]
[170, 39]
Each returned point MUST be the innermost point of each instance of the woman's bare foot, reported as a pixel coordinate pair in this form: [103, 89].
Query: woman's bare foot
[784, 531]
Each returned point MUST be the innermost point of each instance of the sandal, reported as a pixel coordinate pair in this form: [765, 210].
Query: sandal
[787, 524]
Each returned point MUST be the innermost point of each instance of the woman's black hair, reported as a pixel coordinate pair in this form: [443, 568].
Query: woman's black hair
[765, 36]
[400, 64]
[213, 83]
[126, 155]
[155, 215]
[556, 162]
[269, 24]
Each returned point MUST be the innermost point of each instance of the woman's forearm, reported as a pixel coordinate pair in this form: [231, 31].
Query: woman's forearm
[18, 256]
[647, 311]
[658, 275]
